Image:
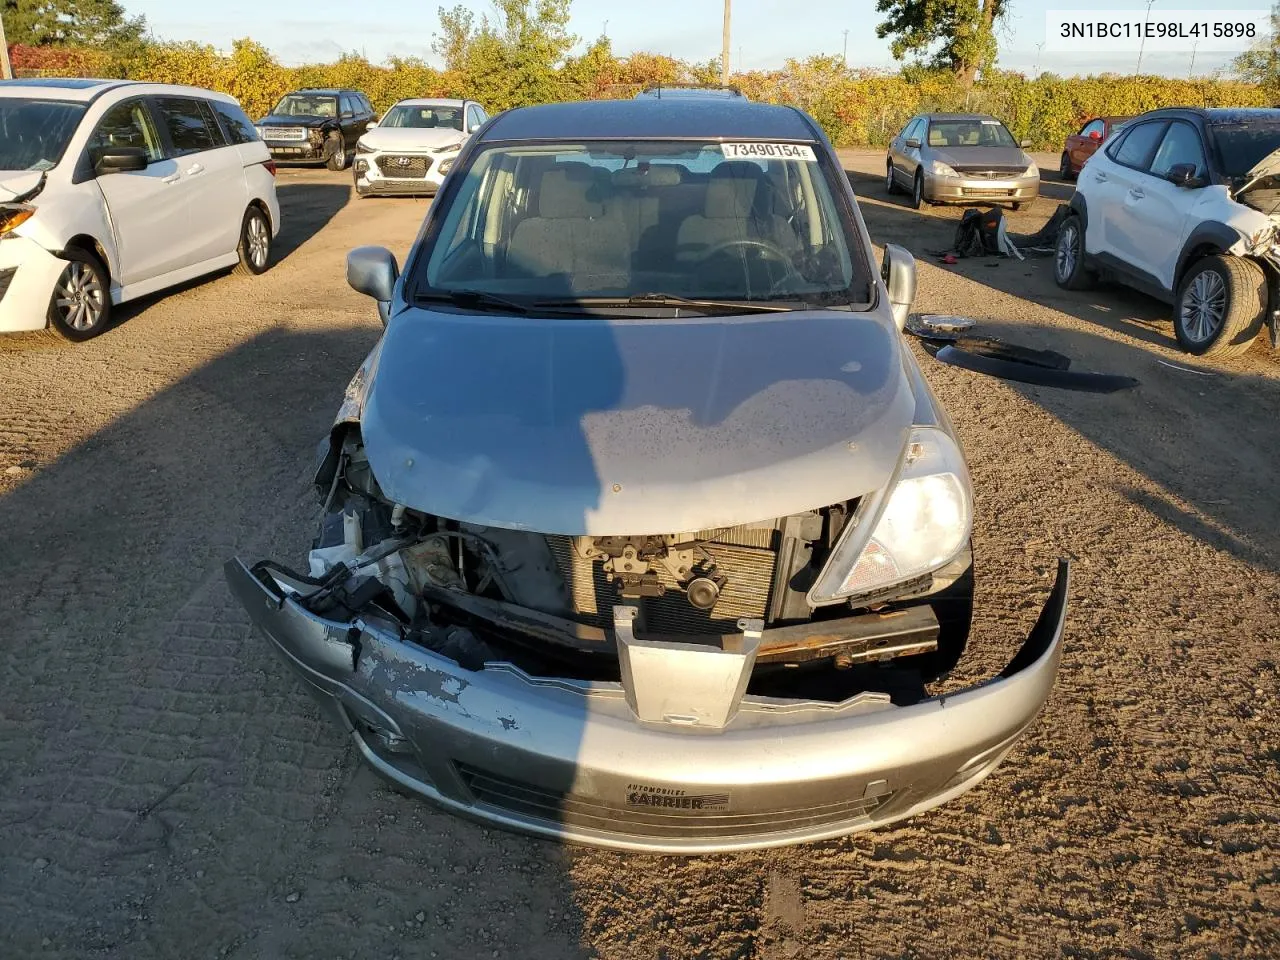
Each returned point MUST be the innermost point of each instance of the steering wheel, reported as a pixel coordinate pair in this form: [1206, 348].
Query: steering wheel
[769, 251]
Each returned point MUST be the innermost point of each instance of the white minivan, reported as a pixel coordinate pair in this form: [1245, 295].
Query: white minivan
[113, 189]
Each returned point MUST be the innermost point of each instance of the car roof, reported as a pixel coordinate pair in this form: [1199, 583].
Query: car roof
[327, 91]
[1215, 114]
[86, 90]
[652, 118]
[713, 93]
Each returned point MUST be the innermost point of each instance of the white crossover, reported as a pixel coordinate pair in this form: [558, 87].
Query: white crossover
[412, 147]
[111, 189]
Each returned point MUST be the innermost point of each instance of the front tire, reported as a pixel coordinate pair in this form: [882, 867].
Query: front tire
[917, 191]
[336, 158]
[255, 243]
[1069, 270]
[890, 185]
[1064, 168]
[1221, 306]
[80, 305]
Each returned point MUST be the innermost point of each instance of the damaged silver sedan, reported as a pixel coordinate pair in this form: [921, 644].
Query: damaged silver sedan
[640, 525]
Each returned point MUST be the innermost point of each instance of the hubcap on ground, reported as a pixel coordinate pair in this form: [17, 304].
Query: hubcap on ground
[79, 297]
[1066, 258]
[1204, 306]
[259, 241]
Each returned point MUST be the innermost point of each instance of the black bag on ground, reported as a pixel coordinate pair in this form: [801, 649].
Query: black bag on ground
[977, 233]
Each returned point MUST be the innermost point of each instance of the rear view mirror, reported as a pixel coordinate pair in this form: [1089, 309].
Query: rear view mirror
[914, 143]
[120, 160]
[373, 272]
[1025, 144]
[899, 273]
[371, 124]
[1183, 175]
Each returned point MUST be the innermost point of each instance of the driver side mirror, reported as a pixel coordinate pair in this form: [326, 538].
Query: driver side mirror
[120, 160]
[371, 124]
[1024, 144]
[914, 143]
[1095, 135]
[1183, 175]
[899, 273]
[373, 272]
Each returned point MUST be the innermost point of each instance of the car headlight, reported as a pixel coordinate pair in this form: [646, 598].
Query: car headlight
[362, 147]
[444, 166]
[13, 215]
[923, 525]
[1031, 171]
[940, 169]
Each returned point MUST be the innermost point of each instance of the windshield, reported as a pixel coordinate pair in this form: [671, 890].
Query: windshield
[633, 219]
[969, 133]
[306, 105]
[403, 115]
[1241, 145]
[34, 133]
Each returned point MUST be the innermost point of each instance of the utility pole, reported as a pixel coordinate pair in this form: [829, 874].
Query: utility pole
[724, 48]
[605, 32]
[1143, 43]
[844, 56]
[5, 69]
[1192, 68]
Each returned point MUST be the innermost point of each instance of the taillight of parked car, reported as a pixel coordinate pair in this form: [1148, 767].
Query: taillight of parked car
[271, 166]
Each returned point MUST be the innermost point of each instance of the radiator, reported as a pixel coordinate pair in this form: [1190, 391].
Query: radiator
[745, 555]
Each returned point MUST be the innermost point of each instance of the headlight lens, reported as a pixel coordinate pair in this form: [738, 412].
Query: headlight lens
[362, 147]
[13, 215]
[940, 169]
[444, 166]
[924, 524]
[1031, 171]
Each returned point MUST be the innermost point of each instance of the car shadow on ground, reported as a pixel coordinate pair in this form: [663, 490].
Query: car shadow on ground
[305, 209]
[145, 722]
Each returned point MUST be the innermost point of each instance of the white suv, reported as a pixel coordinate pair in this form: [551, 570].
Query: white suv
[110, 190]
[409, 151]
[1185, 204]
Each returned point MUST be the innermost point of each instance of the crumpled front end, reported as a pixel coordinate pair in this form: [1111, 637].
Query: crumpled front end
[627, 763]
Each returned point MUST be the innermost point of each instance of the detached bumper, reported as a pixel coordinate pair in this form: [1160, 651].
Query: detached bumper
[568, 760]
[980, 190]
[28, 273]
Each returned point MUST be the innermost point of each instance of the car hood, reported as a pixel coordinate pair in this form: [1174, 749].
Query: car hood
[14, 183]
[273, 120]
[1268, 166]
[590, 426]
[412, 138]
[981, 157]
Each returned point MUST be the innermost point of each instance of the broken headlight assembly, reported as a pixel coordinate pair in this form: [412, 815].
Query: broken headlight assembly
[13, 215]
[920, 526]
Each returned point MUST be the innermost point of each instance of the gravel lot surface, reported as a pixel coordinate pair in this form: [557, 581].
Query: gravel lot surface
[168, 790]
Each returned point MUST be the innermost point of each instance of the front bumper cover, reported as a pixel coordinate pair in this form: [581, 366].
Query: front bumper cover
[568, 759]
[964, 189]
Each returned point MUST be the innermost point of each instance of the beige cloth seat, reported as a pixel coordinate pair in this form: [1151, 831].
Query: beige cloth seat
[570, 236]
[735, 209]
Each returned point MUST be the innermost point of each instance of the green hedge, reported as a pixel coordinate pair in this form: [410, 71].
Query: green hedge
[856, 108]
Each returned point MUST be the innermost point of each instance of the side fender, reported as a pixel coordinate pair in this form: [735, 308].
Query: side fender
[1210, 233]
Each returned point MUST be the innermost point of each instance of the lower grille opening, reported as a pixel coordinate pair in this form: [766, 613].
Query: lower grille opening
[531, 801]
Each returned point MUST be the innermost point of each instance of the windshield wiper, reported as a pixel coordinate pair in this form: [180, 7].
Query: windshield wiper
[473, 300]
[668, 300]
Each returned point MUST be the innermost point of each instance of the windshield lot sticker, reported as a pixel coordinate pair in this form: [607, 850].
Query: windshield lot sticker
[643, 795]
[766, 151]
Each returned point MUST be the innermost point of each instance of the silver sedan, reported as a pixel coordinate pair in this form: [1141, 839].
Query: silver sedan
[960, 158]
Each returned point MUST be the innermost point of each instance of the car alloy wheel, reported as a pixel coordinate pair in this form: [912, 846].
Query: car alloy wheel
[1203, 307]
[1066, 254]
[79, 297]
[258, 241]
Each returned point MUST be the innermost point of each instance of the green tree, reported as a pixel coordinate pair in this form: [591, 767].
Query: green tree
[41, 23]
[956, 34]
[1260, 64]
[512, 59]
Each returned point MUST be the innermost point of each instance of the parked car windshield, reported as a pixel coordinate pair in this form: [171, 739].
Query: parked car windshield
[969, 133]
[306, 105]
[407, 115]
[616, 220]
[1241, 145]
[34, 133]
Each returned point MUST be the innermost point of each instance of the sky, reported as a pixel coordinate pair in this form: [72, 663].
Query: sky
[765, 32]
